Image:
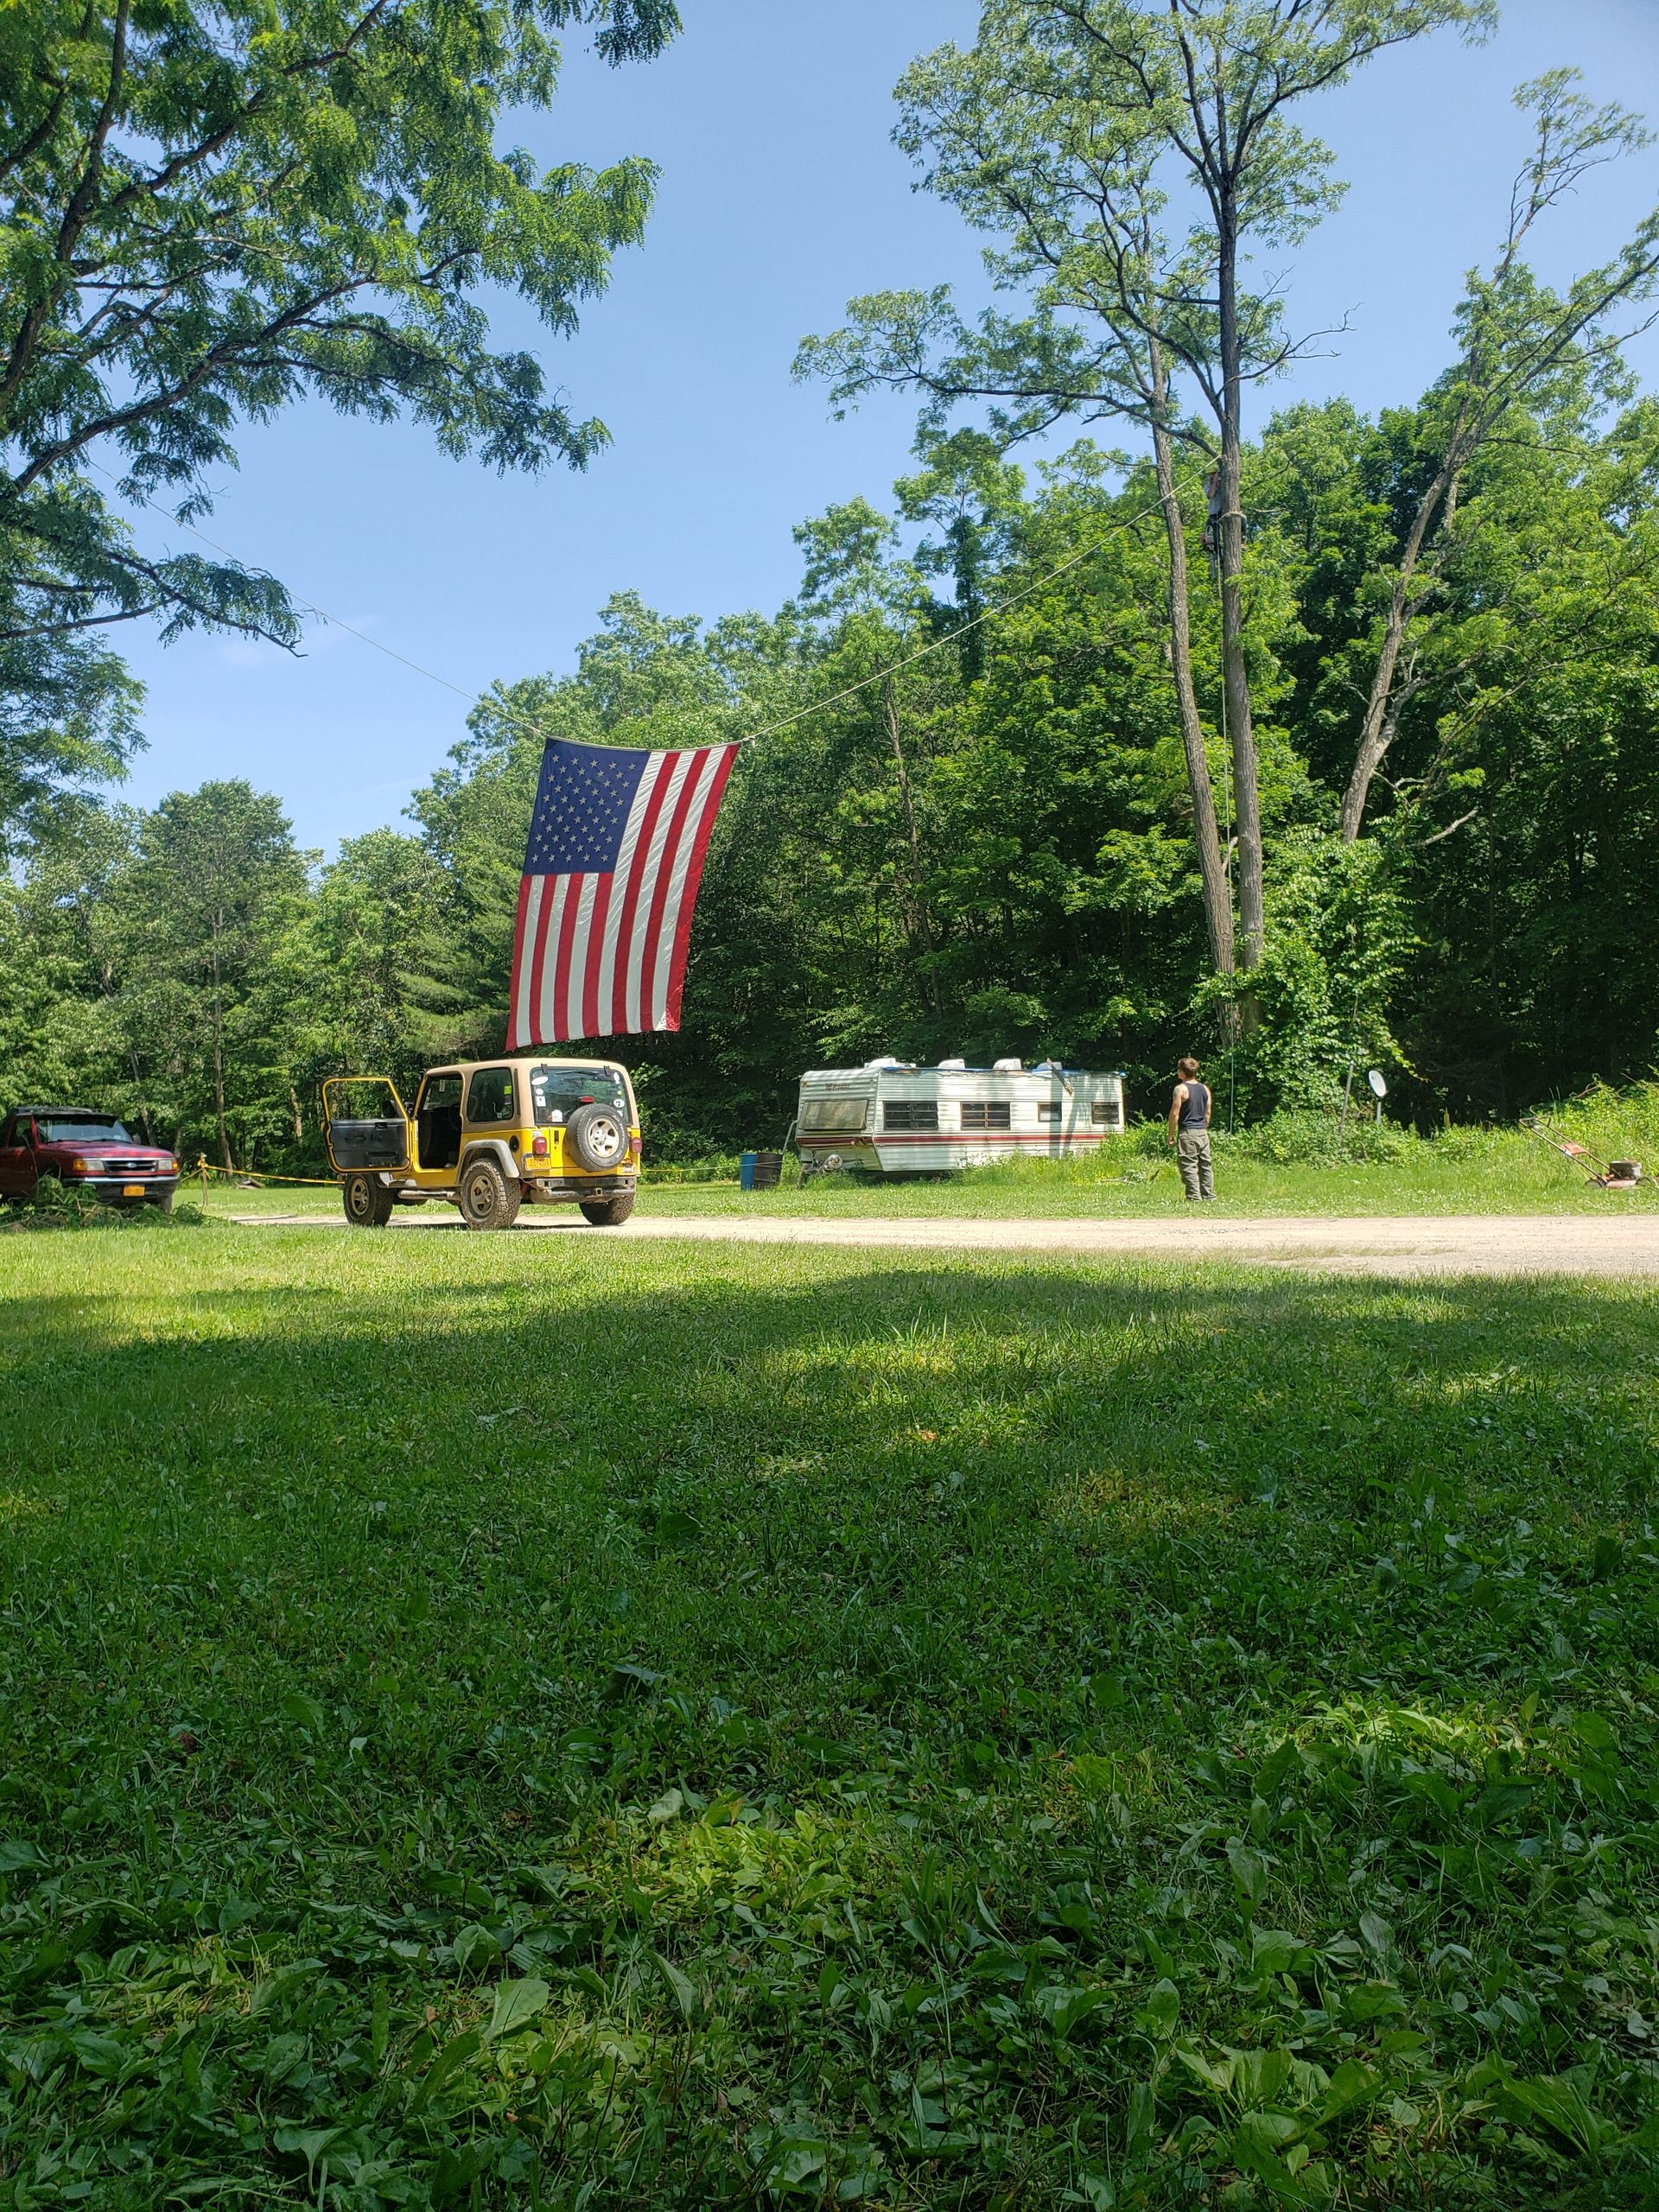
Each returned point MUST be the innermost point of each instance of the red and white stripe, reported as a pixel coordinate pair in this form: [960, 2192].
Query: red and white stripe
[600, 955]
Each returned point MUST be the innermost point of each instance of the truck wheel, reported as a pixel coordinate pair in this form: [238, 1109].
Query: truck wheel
[487, 1199]
[367, 1202]
[162, 1201]
[595, 1140]
[607, 1213]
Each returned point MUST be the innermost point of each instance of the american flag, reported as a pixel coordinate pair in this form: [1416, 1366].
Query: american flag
[611, 875]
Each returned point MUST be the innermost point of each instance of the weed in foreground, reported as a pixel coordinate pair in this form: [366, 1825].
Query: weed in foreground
[54, 1205]
[490, 1725]
[1298, 1165]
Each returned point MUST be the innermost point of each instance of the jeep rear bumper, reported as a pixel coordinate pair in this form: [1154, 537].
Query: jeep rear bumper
[581, 1187]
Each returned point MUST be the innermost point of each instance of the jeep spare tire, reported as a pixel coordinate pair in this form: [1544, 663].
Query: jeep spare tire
[595, 1139]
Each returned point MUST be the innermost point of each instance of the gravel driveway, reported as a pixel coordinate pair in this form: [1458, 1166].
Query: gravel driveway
[1486, 1244]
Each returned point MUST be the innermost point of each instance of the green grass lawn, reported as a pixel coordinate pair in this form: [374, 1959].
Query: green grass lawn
[1512, 1182]
[1519, 1183]
[513, 1721]
[1467, 1171]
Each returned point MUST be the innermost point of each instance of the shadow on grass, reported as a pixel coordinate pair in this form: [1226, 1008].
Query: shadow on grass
[915, 1474]
[987, 1641]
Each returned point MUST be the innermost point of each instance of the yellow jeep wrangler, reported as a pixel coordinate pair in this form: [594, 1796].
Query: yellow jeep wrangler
[486, 1135]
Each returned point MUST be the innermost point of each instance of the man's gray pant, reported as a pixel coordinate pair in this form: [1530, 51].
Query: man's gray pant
[1192, 1158]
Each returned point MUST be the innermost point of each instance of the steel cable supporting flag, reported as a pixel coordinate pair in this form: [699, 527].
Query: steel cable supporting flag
[611, 873]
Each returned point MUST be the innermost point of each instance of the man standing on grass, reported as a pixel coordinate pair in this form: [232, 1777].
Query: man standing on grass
[1189, 1131]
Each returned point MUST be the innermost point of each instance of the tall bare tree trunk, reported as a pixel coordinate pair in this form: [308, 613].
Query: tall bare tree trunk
[219, 1061]
[1235, 679]
[919, 922]
[1377, 730]
[1212, 869]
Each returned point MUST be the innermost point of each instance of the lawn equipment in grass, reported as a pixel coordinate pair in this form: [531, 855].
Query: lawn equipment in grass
[1610, 1175]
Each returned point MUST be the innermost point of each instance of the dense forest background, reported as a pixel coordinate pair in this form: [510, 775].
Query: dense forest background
[986, 850]
[1329, 748]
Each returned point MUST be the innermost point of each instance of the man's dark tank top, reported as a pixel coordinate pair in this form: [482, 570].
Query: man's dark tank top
[1195, 1111]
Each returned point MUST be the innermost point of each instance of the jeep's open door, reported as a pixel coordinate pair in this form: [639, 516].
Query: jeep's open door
[357, 1135]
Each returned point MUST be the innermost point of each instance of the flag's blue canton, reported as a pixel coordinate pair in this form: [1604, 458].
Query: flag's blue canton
[580, 808]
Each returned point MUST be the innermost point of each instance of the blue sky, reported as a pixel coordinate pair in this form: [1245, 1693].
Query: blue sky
[780, 197]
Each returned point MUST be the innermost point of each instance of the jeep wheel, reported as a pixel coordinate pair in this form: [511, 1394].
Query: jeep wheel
[367, 1202]
[607, 1213]
[595, 1140]
[487, 1199]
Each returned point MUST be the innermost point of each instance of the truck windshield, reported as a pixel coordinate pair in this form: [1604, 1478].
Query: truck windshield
[556, 1093]
[89, 1128]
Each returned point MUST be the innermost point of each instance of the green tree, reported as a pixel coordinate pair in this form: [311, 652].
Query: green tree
[966, 488]
[209, 208]
[1525, 804]
[358, 963]
[1056, 132]
[61, 952]
[1016, 135]
[1522, 347]
[68, 715]
[207, 908]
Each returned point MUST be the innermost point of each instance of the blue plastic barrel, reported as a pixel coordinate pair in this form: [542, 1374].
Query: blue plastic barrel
[745, 1170]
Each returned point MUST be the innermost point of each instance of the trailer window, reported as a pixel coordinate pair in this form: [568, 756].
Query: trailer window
[987, 1114]
[910, 1114]
[1048, 1110]
[833, 1114]
[1108, 1113]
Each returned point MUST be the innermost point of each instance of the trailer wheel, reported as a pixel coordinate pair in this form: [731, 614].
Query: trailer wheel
[486, 1200]
[607, 1213]
[367, 1201]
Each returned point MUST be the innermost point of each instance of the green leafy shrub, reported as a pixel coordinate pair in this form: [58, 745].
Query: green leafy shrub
[1313, 1140]
[1470, 1145]
[1147, 1139]
[56, 1205]
[1621, 1124]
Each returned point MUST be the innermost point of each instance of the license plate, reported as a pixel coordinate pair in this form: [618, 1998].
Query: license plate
[132, 1189]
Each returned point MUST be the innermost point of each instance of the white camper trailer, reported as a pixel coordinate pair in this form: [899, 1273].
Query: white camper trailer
[899, 1119]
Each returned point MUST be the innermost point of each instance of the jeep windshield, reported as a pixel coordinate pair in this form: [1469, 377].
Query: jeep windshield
[80, 1129]
[556, 1093]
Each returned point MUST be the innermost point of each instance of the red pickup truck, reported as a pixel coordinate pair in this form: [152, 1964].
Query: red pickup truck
[85, 1151]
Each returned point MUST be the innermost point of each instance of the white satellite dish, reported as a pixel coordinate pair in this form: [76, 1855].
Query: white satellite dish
[1374, 1076]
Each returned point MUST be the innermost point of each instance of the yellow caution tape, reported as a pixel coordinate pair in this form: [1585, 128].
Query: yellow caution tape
[205, 1167]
